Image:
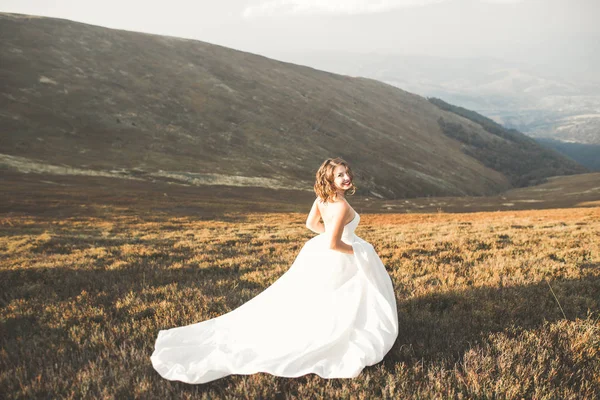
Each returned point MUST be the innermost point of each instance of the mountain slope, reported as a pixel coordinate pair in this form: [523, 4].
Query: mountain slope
[94, 98]
[540, 102]
[587, 155]
[517, 156]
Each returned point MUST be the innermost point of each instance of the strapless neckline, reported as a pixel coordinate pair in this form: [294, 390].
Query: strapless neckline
[355, 215]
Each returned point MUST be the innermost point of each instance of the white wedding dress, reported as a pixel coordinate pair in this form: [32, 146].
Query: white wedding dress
[330, 314]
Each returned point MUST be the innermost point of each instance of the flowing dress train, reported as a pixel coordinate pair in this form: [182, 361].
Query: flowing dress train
[330, 314]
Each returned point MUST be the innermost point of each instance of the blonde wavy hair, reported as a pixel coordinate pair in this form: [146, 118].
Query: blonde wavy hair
[324, 185]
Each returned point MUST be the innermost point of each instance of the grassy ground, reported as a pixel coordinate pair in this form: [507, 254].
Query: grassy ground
[67, 195]
[82, 299]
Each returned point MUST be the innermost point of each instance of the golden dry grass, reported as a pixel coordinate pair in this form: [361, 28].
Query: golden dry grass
[83, 298]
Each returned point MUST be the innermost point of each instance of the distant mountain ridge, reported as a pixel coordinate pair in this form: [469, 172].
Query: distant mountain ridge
[559, 106]
[157, 107]
[515, 155]
[587, 155]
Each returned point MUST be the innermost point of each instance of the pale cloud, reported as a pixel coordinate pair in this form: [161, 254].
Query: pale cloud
[269, 8]
[502, 1]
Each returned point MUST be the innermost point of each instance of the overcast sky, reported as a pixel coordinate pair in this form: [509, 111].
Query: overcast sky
[548, 30]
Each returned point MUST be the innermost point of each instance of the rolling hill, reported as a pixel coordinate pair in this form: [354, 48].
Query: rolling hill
[534, 98]
[77, 98]
[585, 154]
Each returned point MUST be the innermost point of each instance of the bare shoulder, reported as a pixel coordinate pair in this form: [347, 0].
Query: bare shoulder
[334, 210]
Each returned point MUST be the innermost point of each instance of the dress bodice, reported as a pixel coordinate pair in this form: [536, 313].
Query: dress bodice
[348, 232]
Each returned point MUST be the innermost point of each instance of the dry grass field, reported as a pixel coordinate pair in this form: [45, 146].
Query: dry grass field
[491, 304]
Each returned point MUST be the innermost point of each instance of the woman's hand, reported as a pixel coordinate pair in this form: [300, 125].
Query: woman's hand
[339, 211]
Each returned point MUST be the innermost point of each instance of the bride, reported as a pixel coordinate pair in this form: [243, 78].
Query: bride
[332, 313]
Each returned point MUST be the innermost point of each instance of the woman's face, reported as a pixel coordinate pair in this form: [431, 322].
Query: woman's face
[341, 179]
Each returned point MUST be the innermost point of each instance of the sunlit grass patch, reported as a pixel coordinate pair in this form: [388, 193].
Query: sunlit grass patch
[480, 299]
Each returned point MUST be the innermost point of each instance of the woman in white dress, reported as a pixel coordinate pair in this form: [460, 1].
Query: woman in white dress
[332, 313]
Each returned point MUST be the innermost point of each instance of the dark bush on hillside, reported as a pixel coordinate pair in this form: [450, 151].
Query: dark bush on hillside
[521, 159]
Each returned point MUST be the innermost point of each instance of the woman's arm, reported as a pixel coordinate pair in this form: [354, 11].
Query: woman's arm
[339, 215]
[312, 222]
